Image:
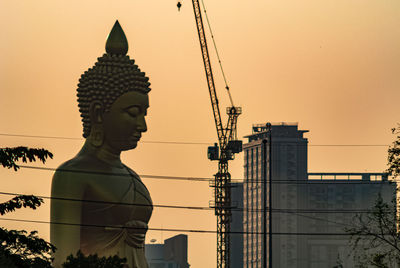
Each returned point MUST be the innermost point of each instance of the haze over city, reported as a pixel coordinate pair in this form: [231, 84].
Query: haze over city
[331, 66]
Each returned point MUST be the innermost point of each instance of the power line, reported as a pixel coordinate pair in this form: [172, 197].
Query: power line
[203, 179]
[277, 210]
[81, 139]
[205, 231]
[39, 137]
[191, 143]
[324, 182]
[117, 174]
[320, 219]
[110, 202]
[170, 229]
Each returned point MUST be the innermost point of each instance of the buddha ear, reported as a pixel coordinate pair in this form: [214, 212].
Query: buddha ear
[96, 111]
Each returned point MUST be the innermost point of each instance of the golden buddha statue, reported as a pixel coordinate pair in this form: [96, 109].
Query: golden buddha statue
[99, 205]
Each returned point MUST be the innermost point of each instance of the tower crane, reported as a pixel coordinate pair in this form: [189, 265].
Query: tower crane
[223, 151]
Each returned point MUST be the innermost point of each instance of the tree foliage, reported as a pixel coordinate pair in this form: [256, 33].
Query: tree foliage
[18, 248]
[8, 156]
[25, 250]
[394, 154]
[374, 236]
[93, 261]
[20, 201]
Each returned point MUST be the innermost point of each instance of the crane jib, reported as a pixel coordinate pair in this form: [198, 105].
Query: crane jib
[208, 70]
[228, 146]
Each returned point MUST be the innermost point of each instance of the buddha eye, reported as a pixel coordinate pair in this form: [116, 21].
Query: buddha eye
[133, 111]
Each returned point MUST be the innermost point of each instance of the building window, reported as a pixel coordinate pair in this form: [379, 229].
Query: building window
[247, 164]
[252, 165]
[256, 164]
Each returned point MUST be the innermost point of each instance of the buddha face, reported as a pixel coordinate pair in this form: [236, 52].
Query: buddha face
[124, 123]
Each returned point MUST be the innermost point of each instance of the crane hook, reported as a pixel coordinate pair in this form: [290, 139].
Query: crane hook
[179, 5]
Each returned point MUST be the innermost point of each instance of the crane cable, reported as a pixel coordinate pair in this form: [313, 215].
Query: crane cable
[216, 51]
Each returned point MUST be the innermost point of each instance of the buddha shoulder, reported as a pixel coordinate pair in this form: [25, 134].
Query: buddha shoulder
[77, 172]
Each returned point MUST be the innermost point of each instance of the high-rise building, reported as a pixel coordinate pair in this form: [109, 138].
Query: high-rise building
[289, 162]
[299, 238]
[324, 241]
[171, 254]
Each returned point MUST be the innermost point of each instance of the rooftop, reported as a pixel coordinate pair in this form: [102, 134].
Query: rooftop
[279, 129]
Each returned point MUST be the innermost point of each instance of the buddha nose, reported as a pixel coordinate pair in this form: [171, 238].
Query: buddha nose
[142, 126]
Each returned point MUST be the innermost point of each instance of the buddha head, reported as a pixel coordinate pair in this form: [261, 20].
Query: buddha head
[113, 97]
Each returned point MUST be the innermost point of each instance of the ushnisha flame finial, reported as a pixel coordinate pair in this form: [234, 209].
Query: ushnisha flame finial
[116, 41]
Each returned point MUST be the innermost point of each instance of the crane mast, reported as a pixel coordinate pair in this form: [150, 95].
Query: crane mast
[228, 146]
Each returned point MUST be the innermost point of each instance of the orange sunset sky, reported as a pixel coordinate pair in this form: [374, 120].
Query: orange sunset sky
[331, 65]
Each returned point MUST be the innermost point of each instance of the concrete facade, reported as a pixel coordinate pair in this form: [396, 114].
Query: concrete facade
[236, 239]
[171, 254]
[300, 238]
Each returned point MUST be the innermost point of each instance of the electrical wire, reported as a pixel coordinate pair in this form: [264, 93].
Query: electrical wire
[209, 180]
[191, 143]
[69, 138]
[110, 202]
[118, 174]
[320, 219]
[171, 229]
[322, 182]
[277, 210]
